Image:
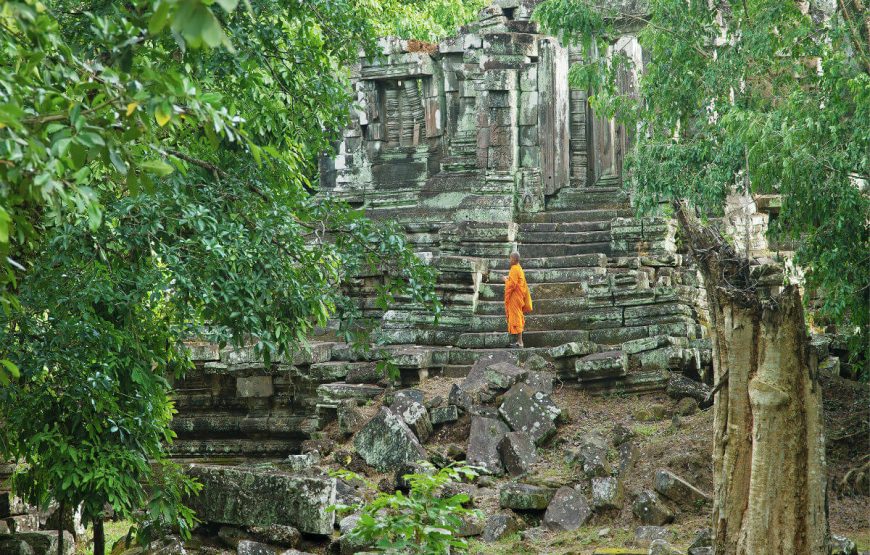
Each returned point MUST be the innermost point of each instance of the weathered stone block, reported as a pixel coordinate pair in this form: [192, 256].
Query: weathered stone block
[11, 505]
[503, 375]
[250, 547]
[254, 386]
[483, 440]
[244, 496]
[591, 455]
[39, 543]
[498, 526]
[524, 413]
[568, 510]
[573, 349]
[644, 535]
[443, 415]
[415, 416]
[386, 442]
[678, 490]
[517, 450]
[14, 546]
[606, 493]
[650, 509]
[525, 496]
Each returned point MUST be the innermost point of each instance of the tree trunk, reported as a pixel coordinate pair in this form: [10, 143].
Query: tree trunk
[99, 537]
[768, 449]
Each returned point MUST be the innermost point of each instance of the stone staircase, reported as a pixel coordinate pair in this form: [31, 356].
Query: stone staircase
[598, 277]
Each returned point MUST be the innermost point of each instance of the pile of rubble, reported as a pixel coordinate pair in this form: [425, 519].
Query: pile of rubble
[24, 530]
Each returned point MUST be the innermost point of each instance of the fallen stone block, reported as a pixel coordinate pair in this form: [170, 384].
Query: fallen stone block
[686, 406]
[443, 415]
[386, 442]
[19, 523]
[591, 455]
[568, 510]
[517, 450]
[645, 535]
[541, 382]
[39, 543]
[336, 392]
[498, 526]
[524, 413]
[11, 505]
[483, 440]
[573, 349]
[460, 398]
[606, 493]
[275, 534]
[415, 416]
[14, 546]
[243, 496]
[502, 375]
[650, 509]
[662, 547]
[525, 496]
[250, 547]
[350, 418]
[678, 490]
[840, 545]
[298, 463]
[703, 538]
[609, 364]
[680, 386]
[471, 525]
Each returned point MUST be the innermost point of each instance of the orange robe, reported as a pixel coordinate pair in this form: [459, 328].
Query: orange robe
[516, 291]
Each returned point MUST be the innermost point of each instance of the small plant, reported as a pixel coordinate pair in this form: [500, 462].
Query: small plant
[645, 430]
[420, 522]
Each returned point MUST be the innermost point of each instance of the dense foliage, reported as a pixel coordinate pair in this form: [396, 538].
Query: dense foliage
[427, 20]
[157, 159]
[759, 95]
[423, 521]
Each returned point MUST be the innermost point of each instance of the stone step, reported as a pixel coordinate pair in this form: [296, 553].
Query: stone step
[572, 238]
[542, 306]
[564, 227]
[568, 216]
[632, 383]
[571, 261]
[604, 197]
[552, 275]
[212, 449]
[538, 250]
[562, 290]
[550, 338]
[241, 426]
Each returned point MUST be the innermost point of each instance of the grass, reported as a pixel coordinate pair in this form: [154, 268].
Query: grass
[115, 530]
[560, 543]
[644, 430]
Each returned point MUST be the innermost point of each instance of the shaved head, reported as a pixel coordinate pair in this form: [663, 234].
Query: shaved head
[515, 257]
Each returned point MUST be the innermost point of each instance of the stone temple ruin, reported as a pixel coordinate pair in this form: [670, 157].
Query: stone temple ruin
[477, 146]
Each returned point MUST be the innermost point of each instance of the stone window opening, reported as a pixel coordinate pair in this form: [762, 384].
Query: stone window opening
[402, 106]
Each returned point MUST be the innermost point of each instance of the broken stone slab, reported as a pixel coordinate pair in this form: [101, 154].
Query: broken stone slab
[679, 386]
[525, 496]
[415, 416]
[636, 346]
[541, 382]
[39, 543]
[336, 392]
[650, 509]
[678, 490]
[573, 349]
[19, 523]
[443, 415]
[298, 463]
[645, 535]
[498, 526]
[350, 418]
[597, 366]
[662, 547]
[10, 545]
[524, 413]
[460, 398]
[11, 505]
[517, 450]
[364, 372]
[703, 538]
[591, 455]
[483, 440]
[606, 493]
[247, 496]
[471, 525]
[502, 375]
[251, 547]
[386, 442]
[568, 510]
[404, 395]
[536, 363]
[275, 534]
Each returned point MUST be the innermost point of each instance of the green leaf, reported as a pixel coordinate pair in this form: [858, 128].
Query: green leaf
[158, 19]
[158, 167]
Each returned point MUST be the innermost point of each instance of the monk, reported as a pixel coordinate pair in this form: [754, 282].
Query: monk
[517, 301]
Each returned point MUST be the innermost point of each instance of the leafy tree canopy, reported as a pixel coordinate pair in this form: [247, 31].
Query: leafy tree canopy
[157, 159]
[763, 95]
